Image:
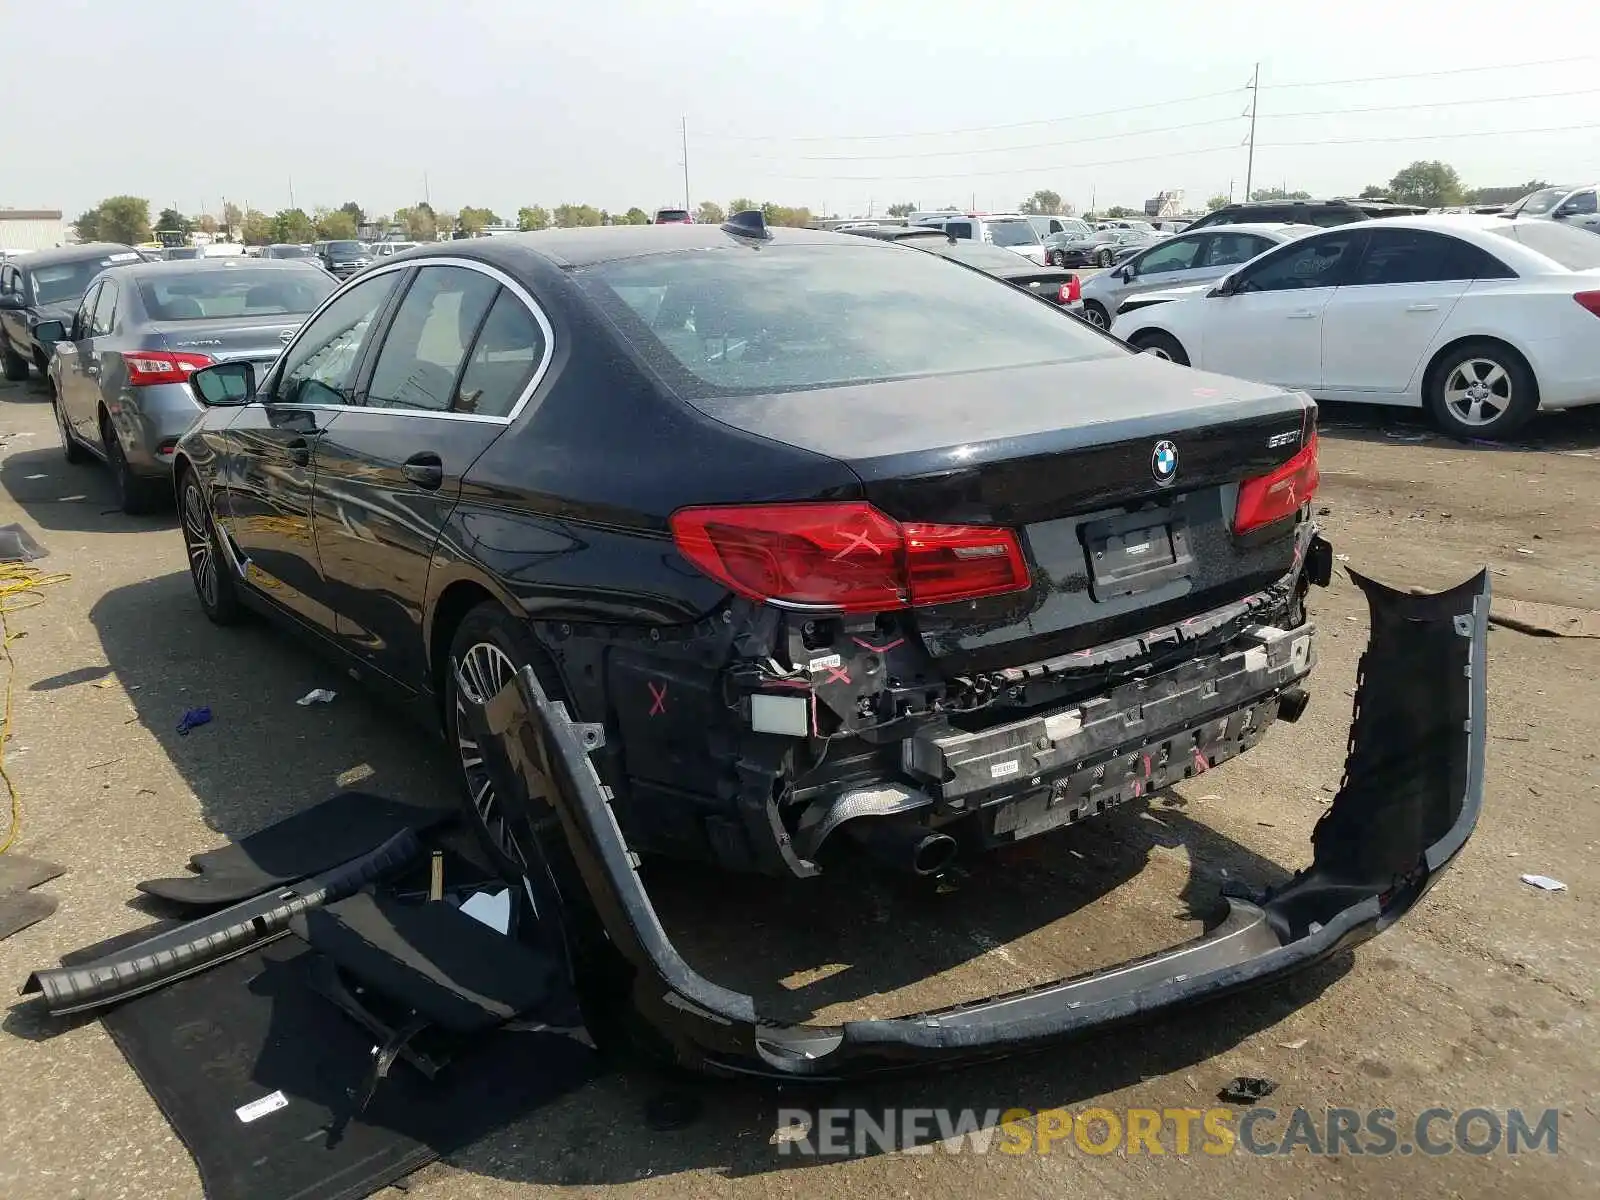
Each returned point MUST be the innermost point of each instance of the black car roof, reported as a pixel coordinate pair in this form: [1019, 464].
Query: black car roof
[608, 243]
[72, 254]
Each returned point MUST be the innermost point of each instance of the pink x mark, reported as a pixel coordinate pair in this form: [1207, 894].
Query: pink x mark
[856, 542]
[837, 675]
[658, 698]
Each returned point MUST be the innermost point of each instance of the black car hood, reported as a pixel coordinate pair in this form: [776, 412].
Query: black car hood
[980, 415]
[64, 311]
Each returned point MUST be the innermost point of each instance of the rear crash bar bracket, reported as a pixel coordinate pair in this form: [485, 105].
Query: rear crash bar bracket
[1410, 798]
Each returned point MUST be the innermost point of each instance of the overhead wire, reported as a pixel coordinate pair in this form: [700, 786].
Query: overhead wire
[19, 590]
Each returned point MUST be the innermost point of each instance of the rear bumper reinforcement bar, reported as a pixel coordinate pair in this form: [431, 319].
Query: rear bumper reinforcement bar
[1410, 798]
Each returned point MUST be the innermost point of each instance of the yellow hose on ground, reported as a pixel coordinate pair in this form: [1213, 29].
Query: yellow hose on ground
[19, 586]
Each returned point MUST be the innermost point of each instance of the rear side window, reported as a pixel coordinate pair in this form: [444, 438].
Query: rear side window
[1417, 256]
[509, 349]
[427, 342]
[959, 229]
[734, 321]
[1574, 249]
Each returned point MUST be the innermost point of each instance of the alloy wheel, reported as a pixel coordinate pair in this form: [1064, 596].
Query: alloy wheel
[484, 669]
[202, 550]
[1478, 391]
[1096, 317]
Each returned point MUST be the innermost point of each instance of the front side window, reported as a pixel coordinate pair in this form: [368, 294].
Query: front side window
[1580, 205]
[1176, 255]
[736, 322]
[320, 367]
[1417, 256]
[84, 319]
[427, 341]
[1309, 263]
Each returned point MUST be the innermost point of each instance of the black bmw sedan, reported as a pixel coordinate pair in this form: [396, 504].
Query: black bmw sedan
[840, 544]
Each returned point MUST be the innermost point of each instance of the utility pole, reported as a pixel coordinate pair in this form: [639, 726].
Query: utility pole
[684, 122]
[1255, 103]
[427, 197]
[291, 191]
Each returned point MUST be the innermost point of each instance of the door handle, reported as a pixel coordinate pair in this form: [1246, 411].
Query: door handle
[299, 451]
[1422, 308]
[425, 469]
[1303, 314]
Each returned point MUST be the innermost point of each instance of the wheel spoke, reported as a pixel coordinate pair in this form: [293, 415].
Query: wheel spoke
[1495, 376]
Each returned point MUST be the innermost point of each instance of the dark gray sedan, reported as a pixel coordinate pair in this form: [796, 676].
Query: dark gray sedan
[120, 370]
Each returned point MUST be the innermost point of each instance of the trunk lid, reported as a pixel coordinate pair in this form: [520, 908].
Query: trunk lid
[1121, 476]
[256, 338]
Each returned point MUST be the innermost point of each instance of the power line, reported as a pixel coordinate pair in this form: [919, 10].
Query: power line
[1431, 137]
[1114, 162]
[884, 137]
[1340, 112]
[1547, 62]
[1103, 137]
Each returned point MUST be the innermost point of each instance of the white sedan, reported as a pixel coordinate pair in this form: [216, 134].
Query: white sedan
[1482, 320]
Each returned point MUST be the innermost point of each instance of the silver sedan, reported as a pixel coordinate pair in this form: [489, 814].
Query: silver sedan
[120, 371]
[1180, 260]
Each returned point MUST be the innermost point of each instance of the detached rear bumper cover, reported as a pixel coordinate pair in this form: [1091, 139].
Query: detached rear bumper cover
[1409, 800]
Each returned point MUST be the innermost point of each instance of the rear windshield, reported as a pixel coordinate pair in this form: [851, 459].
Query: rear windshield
[344, 247]
[783, 318]
[1013, 233]
[234, 292]
[672, 214]
[60, 283]
[289, 252]
[1574, 249]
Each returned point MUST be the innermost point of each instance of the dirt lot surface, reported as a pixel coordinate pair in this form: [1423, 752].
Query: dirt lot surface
[1481, 997]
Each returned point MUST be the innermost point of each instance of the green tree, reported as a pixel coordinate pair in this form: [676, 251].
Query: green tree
[206, 223]
[357, 214]
[710, 213]
[533, 217]
[1117, 210]
[742, 204]
[1216, 202]
[87, 226]
[1431, 183]
[231, 216]
[1278, 194]
[1374, 191]
[171, 218]
[636, 216]
[124, 219]
[256, 228]
[572, 216]
[292, 225]
[420, 221]
[780, 214]
[336, 225]
[472, 220]
[1042, 203]
[903, 209]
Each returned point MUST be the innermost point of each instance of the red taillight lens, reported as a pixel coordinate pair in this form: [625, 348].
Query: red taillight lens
[1071, 292]
[147, 367]
[848, 557]
[1590, 300]
[1269, 498]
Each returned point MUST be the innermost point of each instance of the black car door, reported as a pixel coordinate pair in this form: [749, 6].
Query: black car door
[272, 444]
[463, 350]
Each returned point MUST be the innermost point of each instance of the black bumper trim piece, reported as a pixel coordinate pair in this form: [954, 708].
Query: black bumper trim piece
[1410, 798]
[196, 945]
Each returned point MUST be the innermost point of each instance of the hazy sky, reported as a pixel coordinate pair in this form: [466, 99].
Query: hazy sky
[503, 103]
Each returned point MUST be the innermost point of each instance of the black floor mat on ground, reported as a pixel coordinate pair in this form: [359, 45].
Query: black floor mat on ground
[242, 1032]
[342, 827]
[18, 910]
[18, 872]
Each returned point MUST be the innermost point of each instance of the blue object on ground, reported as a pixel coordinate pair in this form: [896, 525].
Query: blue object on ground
[193, 719]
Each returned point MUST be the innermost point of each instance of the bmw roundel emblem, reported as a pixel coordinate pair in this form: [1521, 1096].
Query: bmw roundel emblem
[1164, 462]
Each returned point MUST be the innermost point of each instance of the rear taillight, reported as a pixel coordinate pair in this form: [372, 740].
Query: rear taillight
[148, 367]
[1269, 498]
[1071, 292]
[847, 557]
[1590, 300]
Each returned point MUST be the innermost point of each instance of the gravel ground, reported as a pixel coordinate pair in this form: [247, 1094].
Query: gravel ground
[1480, 998]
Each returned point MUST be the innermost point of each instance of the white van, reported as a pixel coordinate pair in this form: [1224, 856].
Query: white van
[1013, 231]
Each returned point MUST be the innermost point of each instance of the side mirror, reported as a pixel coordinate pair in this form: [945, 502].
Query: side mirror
[50, 332]
[11, 301]
[1224, 286]
[225, 385]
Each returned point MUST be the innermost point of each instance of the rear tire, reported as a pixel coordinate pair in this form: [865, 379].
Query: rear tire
[1160, 345]
[1096, 315]
[1106, 258]
[135, 495]
[1481, 389]
[1057, 259]
[70, 449]
[16, 367]
[214, 585]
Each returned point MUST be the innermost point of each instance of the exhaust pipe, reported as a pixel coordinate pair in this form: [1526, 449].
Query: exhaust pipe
[904, 846]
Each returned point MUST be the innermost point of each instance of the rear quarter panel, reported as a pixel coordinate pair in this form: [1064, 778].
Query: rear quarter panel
[1540, 320]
